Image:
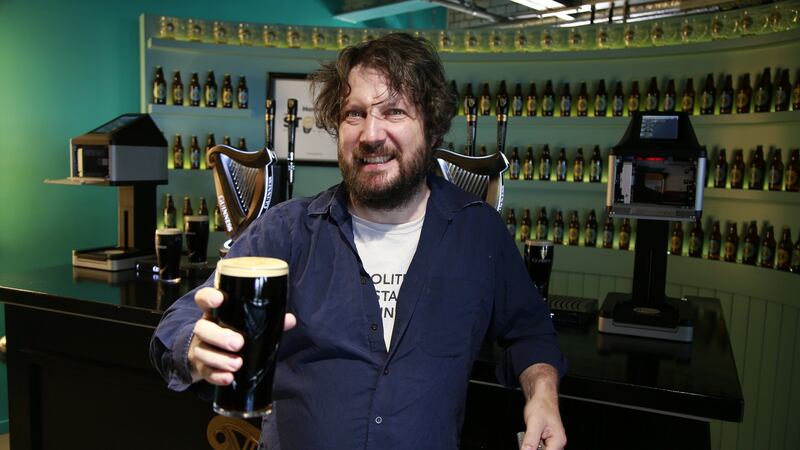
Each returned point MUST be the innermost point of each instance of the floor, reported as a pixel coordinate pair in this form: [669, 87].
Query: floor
[4, 445]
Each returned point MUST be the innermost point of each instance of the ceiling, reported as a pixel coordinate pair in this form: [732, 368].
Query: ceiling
[501, 13]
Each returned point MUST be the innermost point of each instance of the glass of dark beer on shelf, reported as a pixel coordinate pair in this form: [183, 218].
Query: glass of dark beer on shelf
[539, 261]
[169, 242]
[197, 238]
[254, 289]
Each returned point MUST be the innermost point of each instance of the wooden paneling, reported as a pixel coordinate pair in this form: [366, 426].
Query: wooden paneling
[766, 346]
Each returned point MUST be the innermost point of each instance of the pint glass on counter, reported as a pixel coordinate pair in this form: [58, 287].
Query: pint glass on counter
[539, 261]
[254, 289]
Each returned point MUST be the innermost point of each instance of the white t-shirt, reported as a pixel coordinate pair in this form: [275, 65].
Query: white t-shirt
[386, 252]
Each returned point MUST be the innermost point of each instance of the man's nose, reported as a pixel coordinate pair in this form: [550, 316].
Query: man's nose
[374, 131]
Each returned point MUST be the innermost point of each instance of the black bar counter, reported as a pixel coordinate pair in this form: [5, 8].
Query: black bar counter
[80, 377]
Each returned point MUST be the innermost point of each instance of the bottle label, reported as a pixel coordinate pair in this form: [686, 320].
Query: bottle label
[796, 97]
[591, 237]
[573, 236]
[524, 232]
[517, 105]
[651, 103]
[695, 245]
[544, 169]
[719, 177]
[736, 176]
[227, 96]
[767, 256]
[485, 105]
[177, 94]
[707, 101]
[762, 98]
[558, 235]
[730, 251]
[513, 172]
[577, 171]
[241, 98]
[780, 97]
[725, 100]
[211, 96]
[624, 239]
[774, 178]
[600, 105]
[169, 219]
[742, 100]
[159, 93]
[608, 238]
[676, 245]
[194, 94]
[177, 158]
[194, 158]
[596, 171]
[783, 258]
[566, 105]
[791, 179]
[669, 103]
[527, 169]
[756, 178]
[617, 104]
[541, 231]
[687, 103]
[532, 105]
[512, 229]
[561, 170]
[749, 251]
[583, 105]
[713, 248]
[633, 104]
[548, 104]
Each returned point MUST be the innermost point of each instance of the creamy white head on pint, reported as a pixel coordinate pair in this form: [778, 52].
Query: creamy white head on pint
[252, 267]
[168, 231]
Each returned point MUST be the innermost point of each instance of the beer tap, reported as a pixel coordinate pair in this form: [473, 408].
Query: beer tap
[291, 121]
[269, 118]
[471, 111]
[502, 118]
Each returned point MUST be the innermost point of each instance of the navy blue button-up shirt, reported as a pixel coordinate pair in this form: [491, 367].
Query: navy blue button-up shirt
[337, 387]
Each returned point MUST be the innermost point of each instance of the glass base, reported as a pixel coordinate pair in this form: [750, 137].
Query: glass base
[243, 414]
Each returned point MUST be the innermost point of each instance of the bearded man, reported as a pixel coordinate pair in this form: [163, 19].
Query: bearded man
[395, 278]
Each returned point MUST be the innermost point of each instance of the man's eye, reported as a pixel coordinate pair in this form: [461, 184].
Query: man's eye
[396, 112]
[353, 114]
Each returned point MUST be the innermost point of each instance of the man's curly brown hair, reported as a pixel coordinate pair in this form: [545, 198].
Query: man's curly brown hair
[411, 67]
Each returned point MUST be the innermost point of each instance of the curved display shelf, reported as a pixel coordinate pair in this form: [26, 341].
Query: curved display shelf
[200, 111]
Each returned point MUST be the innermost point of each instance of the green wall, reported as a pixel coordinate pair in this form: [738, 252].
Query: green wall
[66, 67]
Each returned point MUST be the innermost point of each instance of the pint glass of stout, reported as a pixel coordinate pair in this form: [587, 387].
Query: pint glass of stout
[197, 238]
[169, 242]
[254, 306]
[539, 261]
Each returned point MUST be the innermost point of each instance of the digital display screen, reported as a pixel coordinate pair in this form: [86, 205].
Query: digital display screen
[116, 124]
[659, 127]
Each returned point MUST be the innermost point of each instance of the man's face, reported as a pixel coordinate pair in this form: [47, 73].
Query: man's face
[382, 152]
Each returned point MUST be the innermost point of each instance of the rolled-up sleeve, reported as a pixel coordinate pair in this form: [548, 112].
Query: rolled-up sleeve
[169, 346]
[522, 322]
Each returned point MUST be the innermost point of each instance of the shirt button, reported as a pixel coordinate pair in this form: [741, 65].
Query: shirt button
[374, 327]
[378, 420]
[386, 371]
[363, 280]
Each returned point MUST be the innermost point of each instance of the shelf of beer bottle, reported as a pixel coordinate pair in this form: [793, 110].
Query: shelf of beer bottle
[200, 111]
[754, 195]
[255, 50]
[553, 185]
[621, 121]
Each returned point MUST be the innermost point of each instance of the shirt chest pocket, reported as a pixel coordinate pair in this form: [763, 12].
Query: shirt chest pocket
[453, 316]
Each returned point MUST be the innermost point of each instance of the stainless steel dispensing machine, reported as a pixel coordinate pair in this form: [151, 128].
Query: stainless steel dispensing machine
[656, 174]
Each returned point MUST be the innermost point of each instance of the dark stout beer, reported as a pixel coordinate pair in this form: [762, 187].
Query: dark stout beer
[255, 305]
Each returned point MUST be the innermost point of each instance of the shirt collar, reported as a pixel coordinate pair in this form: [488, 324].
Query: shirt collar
[445, 199]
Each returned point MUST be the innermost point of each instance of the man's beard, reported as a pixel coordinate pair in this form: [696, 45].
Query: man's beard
[372, 190]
